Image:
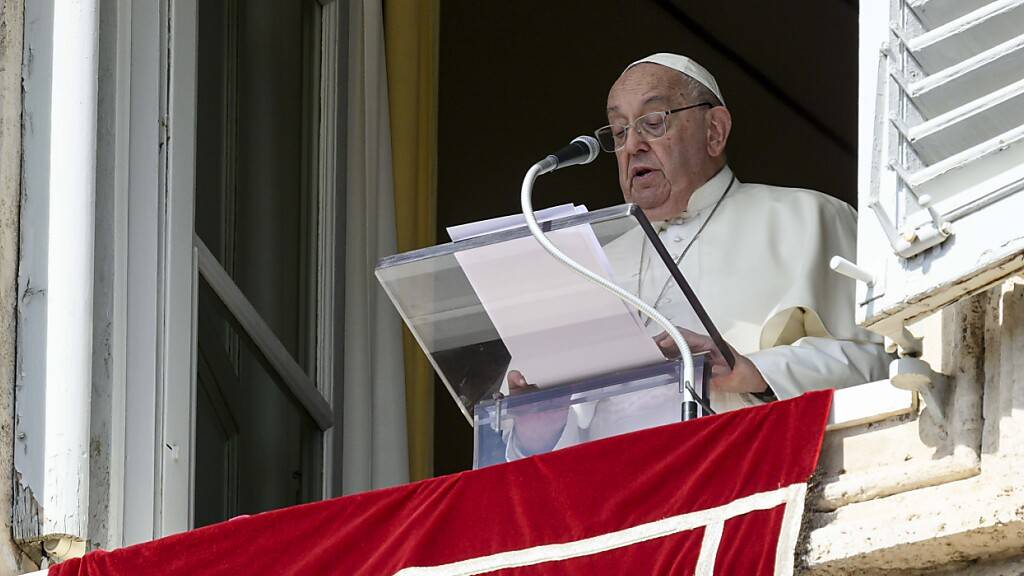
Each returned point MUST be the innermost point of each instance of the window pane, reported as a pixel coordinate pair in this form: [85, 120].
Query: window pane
[256, 449]
[256, 161]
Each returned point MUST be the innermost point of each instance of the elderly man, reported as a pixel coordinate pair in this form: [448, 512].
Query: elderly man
[757, 256]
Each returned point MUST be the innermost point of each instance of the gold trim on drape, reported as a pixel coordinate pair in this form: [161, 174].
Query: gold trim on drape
[411, 41]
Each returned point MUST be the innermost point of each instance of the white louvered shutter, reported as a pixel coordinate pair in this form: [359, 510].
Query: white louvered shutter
[941, 153]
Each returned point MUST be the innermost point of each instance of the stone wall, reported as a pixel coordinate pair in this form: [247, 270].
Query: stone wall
[953, 499]
[12, 559]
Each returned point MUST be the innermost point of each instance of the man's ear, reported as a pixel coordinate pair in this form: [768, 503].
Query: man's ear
[719, 123]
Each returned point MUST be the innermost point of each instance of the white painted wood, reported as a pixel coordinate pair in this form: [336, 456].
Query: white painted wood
[54, 461]
[30, 400]
[178, 329]
[70, 276]
[967, 80]
[956, 136]
[249, 322]
[330, 332]
[935, 13]
[974, 32]
[119, 344]
[970, 124]
[953, 174]
[141, 476]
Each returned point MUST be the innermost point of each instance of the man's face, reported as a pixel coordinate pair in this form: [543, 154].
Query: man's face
[660, 175]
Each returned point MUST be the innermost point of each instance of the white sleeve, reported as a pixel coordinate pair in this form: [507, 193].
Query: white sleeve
[816, 363]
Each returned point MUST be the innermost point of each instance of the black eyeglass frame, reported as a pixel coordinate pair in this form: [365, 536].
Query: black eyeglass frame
[664, 116]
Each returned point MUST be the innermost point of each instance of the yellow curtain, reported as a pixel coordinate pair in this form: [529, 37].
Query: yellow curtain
[411, 44]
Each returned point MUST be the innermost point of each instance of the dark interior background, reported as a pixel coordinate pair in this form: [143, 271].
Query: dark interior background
[520, 79]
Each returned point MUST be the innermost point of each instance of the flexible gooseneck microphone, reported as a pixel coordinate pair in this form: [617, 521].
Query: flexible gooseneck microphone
[583, 150]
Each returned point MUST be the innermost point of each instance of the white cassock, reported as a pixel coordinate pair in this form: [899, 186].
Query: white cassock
[760, 269]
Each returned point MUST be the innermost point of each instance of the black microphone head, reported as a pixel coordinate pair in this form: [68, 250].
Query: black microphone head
[582, 150]
[592, 145]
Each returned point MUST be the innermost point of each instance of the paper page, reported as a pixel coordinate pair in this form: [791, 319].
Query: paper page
[557, 325]
[474, 229]
[605, 271]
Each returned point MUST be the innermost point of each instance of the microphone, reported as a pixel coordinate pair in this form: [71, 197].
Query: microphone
[582, 150]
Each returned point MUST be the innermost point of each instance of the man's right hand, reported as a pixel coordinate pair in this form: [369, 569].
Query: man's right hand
[537, 428]
[743, 377]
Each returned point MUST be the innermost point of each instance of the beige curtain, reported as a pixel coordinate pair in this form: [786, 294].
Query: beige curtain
[374, 448]
[411, 30]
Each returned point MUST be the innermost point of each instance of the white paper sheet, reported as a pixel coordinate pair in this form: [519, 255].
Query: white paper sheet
[474, 229]
[557, 325]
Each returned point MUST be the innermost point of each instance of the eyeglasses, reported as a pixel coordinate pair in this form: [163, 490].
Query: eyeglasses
[651, 126]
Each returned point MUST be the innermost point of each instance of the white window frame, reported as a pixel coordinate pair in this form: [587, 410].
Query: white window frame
[153, 291]
[159, 262]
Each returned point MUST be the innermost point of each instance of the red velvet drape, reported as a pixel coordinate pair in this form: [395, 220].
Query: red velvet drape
[581, 492]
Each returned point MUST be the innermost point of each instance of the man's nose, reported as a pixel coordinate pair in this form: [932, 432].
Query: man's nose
[635, 142]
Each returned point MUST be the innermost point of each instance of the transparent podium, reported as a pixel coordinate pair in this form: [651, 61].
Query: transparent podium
[492, 303]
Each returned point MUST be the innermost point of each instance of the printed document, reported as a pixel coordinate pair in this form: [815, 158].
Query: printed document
[557, 325]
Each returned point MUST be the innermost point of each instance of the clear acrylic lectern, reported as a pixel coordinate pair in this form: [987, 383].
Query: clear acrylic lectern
[489, 304]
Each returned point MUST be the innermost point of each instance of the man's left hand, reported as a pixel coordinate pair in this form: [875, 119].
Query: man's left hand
[743, 377]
